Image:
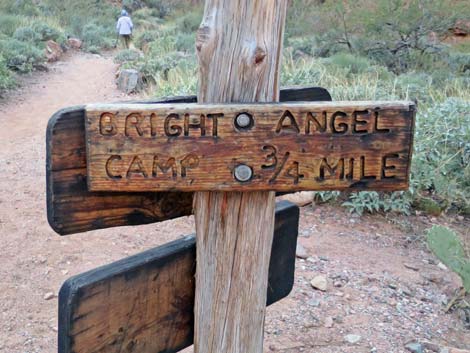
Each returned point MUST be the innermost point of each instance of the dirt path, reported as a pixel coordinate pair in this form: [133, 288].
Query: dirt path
[371, 293]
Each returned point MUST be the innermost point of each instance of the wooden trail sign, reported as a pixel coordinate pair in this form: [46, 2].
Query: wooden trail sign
[247, 147]
[145, 303]
[71, 208]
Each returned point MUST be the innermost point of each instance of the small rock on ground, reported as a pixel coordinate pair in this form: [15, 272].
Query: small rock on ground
[49, 296]
[353, 339]
[414, 347]
[320, 283]
[301, 252]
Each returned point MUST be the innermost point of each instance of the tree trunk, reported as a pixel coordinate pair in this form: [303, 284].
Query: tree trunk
[239, 47]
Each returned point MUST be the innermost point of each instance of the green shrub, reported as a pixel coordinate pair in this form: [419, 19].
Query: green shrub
[302, 45]
[189, 23]
[185, 42]
[325, 196]
[460, 62]
[21, 56]
[126, 55]
[24, 7]
[157, 10]
[414, 86]
[162, 7]
[441, 160]
[76, 15]
[9, 23]
[46, 32]
[371, 202]
[353, 63]
[96, 36]
[6, 79]
[27, 34]
[447, 246]
[145, 37]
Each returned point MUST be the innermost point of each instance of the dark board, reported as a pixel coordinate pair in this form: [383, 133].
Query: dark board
[71, 208]
[144, 303]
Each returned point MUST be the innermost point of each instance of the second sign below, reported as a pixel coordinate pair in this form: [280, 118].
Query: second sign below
[243, 147]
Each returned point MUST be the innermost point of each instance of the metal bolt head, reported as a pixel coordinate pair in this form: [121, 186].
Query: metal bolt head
[243, 120]
[243, 173]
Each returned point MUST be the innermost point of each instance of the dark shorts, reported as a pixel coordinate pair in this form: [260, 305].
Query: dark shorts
[126, 40]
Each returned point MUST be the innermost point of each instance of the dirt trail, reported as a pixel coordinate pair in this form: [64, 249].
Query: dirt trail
[35, 260]
[371, 292]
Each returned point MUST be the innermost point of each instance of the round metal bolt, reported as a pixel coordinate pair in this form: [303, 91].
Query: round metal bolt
[243, 173]
[243, 120]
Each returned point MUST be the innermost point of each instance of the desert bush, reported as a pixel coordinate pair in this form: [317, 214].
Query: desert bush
[76, 15]
[126, 55]
[46, 32]
[185, 42]
[146, 19]
[371, 202]
[325, 196]
[441, 161]
[21, 56]
[180, 81]
[24, 7]
[161, 8]
[6, 79]
[189, 22]
[353, 63]
[27, 34]
[143, 38]
[9, 23]
[96, 36]
[302, 44]
[459, 62]
[158, 67]
[403, 35]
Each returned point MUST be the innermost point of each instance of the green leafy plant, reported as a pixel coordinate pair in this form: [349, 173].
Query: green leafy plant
[97, 36]
[352, 63]
[46, 32]
[27, 34]
[20, 56]
[6, 79]
[371, 202]
[189, 23]
[126, 55]
[9, 23]
[441, 161]
[325, 196]
[447, 246]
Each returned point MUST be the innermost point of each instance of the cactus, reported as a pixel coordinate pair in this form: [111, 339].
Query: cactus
[446, 245]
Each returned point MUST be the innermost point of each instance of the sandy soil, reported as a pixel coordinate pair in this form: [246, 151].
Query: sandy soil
[383, 285]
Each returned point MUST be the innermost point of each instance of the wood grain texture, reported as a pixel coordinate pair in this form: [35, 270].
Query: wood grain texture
[71, 208]
[145, 303]
[238, 46]
[288, 146]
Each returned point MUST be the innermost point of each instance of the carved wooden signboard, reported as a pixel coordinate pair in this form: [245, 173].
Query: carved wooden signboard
[246, 147]
[72, 208]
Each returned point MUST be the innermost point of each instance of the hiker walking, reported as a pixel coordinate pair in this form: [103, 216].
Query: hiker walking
[124, 28]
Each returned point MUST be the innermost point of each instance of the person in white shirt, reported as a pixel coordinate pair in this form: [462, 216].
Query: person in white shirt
[124, 28]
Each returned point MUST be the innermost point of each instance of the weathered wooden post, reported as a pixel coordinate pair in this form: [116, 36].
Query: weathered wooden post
[239, 48]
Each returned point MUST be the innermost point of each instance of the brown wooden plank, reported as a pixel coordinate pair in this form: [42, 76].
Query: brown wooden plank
[144, 303]
[287, 146]
[71, 208]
